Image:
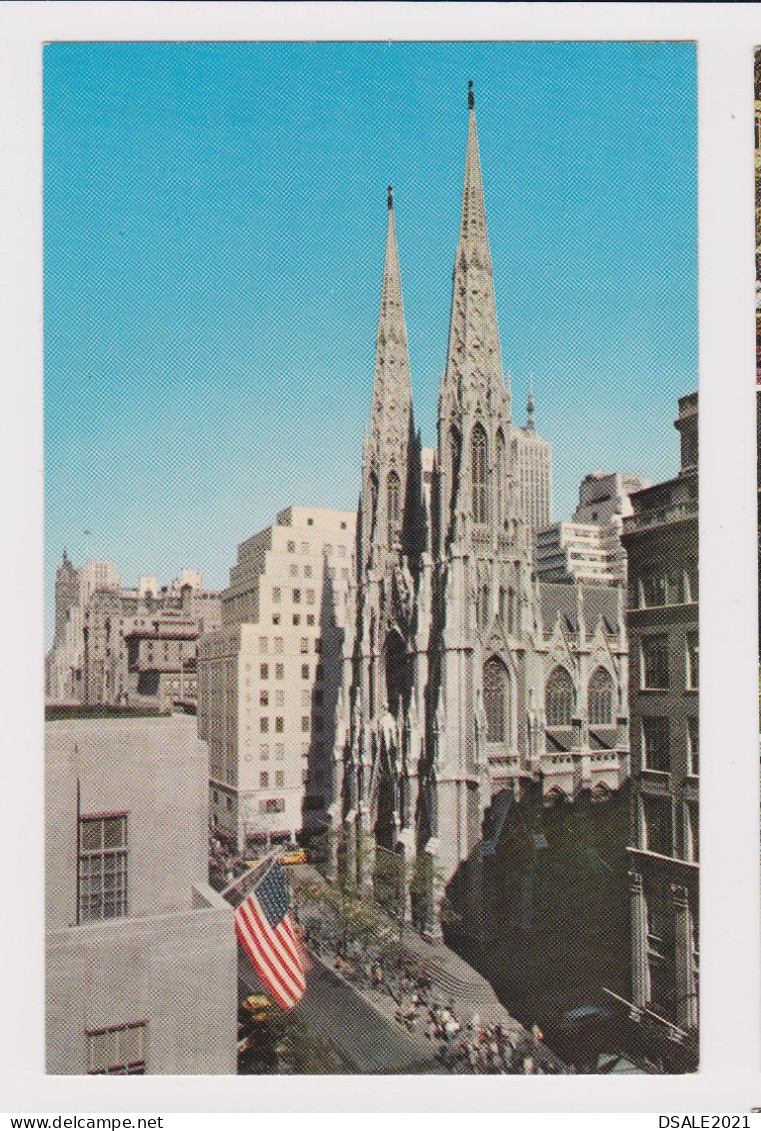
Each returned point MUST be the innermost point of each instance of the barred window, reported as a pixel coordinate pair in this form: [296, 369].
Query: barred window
[496, 700]
[692, 661]
[479, 472]
[655, 744]
[559, 698]
[102, 867]
[600, 698]
[655, 661]
[116, 1052]
[393, 496]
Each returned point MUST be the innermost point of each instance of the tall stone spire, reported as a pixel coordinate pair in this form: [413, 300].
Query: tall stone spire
[473, 374]
[392, 391]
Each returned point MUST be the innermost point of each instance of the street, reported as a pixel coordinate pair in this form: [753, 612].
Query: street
[359, 1037]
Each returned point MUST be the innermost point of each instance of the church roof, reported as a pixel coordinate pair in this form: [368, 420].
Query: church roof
[560, 602]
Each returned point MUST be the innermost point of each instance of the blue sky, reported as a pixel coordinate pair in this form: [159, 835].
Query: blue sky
[214, 226]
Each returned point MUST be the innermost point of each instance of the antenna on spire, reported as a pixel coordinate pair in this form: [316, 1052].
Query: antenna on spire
[530, 422]
[390, 191]
[471, 95]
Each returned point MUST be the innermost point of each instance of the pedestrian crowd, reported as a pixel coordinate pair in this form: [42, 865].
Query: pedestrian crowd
[463, 1044]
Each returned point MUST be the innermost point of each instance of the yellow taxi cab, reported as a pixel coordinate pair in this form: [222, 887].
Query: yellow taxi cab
[293, 856]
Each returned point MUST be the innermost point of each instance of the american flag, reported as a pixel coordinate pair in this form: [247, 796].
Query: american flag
[264, 928]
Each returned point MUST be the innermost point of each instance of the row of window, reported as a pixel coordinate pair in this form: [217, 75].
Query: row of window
[669, 586]
[326, 548]
[264, 671]
[656, 744]
[559, 699]
[658, 828]
[655, 667]
[276, 698]
[264, 724]
[278, 646]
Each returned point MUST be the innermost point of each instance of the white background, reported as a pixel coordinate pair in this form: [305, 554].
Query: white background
[730, 1076]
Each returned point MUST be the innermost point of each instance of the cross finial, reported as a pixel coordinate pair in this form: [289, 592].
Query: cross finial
[471, 95]
[390, 191]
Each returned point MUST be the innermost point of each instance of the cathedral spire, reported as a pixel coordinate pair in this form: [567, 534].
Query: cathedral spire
[474, 363]
[392, 393]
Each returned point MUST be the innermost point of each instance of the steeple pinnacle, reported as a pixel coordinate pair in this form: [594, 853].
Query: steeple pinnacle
[392, 391]
[474, 364]
[530, 422]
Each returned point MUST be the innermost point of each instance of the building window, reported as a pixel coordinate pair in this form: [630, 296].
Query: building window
[264, 671]
[102, 867]
[306, 697]
[264, 725]
[559, 698]
[305, 547]
[304, 645]
[279, 697]
[263, 645]
[279, 778]
[276, 619]
[264, 780]
[479, 472]
[297, 596]
[296, 620]
[653, 590]
[279, 645]
[500, 476]
[318, 644]
[279, 752]
[264, 752]
[276, 595]
[310, 620]
[482, 607]
[291, 547]
[307, 571]
[600, 696]
[692, 831]
[310, 596]
[393, 505]
[655, 744]
[305, 723]
[279, 724]
[305, 750]
[655, 661]
[305, 671]
[496, 700]
[272, 805]
[675, 587]
[693, 745]
[117, 1052]
[693, 580]
[659, 825]
[294, 570]
[279, 671]
[692, 661]
[264, 697]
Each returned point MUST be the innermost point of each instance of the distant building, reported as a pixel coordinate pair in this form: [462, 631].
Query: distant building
[120, 646]
[589, 547]
[661, 541]
[141, 955]
[533, 461]
[269, 678]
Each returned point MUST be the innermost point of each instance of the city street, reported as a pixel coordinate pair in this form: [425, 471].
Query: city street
[360, 1038]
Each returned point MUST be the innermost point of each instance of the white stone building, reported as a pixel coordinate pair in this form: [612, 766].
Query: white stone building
[589, 549]
[140, 953]
[270, 677]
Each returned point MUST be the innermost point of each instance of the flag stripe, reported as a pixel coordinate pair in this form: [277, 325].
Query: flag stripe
[266, 961]
[268, 947]
[290, 942]
[282, 997]
[272, 941]
[250, 949]
[279, 944]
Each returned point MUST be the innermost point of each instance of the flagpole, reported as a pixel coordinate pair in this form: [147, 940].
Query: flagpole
[265, 860]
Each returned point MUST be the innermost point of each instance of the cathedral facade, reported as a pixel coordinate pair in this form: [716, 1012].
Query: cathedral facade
[465, 678]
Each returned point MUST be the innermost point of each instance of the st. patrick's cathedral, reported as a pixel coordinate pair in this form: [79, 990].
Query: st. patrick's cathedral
[466, 679]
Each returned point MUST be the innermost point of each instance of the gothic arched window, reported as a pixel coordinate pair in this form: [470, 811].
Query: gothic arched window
[393, 501]
[496, 700]
[500, 477]
[600, 698]
[558, 698]
[479, 473]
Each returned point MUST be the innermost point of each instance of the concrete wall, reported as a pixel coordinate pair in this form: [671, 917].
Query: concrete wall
[177, 973]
